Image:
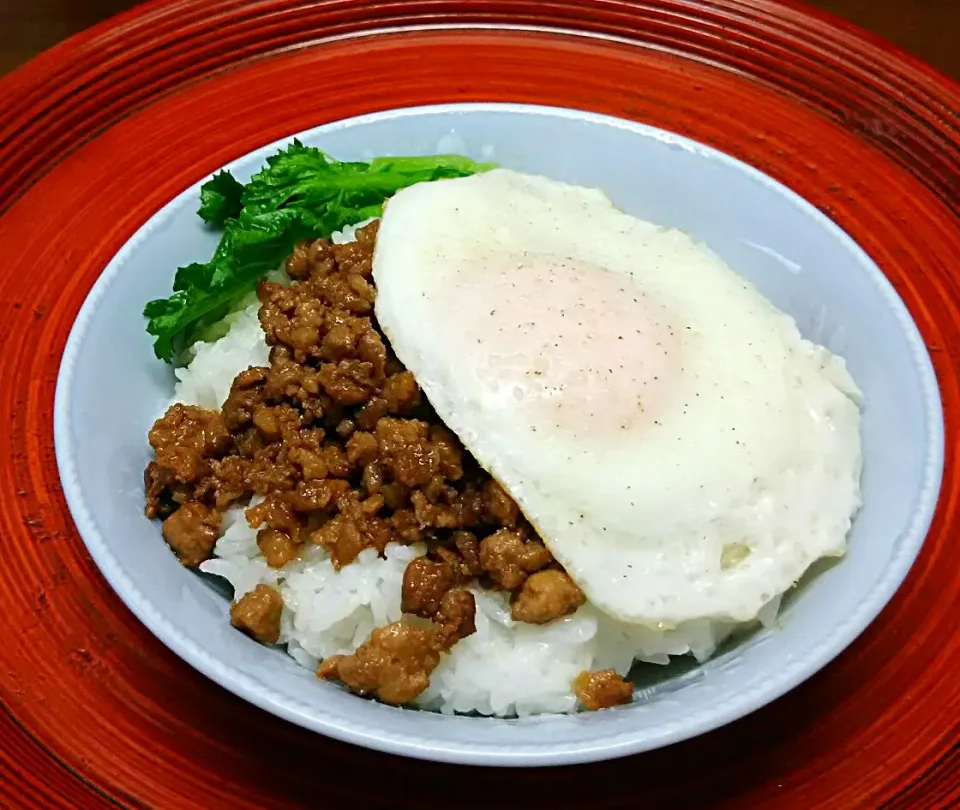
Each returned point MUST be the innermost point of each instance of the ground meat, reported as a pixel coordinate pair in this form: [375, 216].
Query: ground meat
[184, 440]
[362, 450]
[462, 554]
[468, 547]
[457, 617]
[602, 689]
[509, 558]
[372, 412]
[401, 393]
[406, 451]
[298, 263]
[227, 483]
[192, 532]
[405, 526]
[316, 497]
[357, 256]
[337, 461]
[394, 663]
[339, 343]
[350, 295]
[291, 320]
[164, 493]
[269, 471]
[425, 583]
[276, 512]
[246, 395]
[277, 547]
[349, 382]
[545, 596]
[450, 451]
[498, 507]
[185, 437]
[257, 613]
[355, 528]
[434, 515]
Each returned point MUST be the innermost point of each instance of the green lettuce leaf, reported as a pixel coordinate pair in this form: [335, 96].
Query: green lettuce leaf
[302, 193]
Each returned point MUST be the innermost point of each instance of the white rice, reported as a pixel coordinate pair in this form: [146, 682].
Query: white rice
[506, 668]
[206, 381]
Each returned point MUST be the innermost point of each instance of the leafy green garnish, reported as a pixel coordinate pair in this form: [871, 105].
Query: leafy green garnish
[302, 193]
[220, 199]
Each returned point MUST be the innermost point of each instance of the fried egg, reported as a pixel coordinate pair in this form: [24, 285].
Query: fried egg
[680, 448]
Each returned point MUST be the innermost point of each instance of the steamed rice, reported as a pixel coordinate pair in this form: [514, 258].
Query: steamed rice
[506, 668]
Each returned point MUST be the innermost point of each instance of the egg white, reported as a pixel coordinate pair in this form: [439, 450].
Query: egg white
[682, 450]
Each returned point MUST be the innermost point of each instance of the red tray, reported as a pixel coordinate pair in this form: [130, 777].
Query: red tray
[98, 133]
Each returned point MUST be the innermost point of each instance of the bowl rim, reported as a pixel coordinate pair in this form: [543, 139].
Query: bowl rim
[341, 728]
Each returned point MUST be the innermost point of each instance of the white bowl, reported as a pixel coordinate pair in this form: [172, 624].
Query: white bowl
[111, 389]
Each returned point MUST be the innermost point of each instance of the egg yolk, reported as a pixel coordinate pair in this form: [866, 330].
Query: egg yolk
[570, 344]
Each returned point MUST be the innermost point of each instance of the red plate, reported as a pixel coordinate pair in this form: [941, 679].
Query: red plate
[98, 133]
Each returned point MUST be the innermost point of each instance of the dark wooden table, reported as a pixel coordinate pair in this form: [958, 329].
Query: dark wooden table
[928, 28]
